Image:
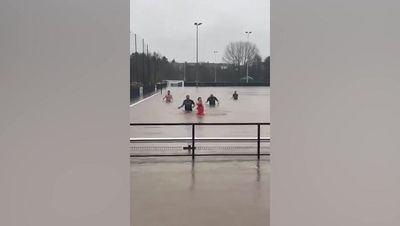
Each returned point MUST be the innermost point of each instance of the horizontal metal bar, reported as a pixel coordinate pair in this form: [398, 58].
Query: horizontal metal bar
[198, 123]
[155, 155]
[232, 154]
[198, 139]
[189, 155]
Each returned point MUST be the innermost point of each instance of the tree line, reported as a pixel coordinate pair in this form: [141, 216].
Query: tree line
[146, 70]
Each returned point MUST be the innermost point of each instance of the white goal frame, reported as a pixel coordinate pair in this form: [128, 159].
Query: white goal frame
[175, 83]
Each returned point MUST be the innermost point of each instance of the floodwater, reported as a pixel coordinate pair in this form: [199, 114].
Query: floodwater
[176, 191]
[212, 193]
[252, 106]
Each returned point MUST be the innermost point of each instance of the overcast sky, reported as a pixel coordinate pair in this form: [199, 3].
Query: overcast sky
[168, 26]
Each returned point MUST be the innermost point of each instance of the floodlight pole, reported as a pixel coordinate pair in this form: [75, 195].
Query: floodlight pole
[197, 51]
[215, 64]
[247, 55]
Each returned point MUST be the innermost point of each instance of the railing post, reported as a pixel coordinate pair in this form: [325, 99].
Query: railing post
[193, 147]
[258, 141]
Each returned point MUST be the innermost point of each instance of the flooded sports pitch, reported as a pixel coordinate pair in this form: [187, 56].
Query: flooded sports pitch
[252, 105]
[212, 190]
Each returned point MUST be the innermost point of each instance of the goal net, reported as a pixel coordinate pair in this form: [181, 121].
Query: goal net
[175, 83]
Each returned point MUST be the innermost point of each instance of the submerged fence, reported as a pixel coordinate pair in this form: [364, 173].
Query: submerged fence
[193, 141]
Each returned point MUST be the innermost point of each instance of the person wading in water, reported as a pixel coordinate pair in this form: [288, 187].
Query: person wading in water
[200, 106]
[168, 97]
[211, 100]
[188, 103]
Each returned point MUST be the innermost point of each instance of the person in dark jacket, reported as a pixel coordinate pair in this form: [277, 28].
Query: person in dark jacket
[211, 100]
[188, 103]
[235, 96]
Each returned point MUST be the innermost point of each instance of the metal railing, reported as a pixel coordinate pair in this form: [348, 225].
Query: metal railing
[193, 139]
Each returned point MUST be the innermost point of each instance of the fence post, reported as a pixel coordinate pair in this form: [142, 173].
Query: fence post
[258, 141]
[193, 135]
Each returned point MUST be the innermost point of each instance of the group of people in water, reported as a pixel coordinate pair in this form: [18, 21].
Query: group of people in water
[189, 104]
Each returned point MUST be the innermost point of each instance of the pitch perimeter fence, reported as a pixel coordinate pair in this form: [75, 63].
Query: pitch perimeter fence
[190, 145]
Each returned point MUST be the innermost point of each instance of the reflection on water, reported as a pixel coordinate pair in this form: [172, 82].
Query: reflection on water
[193, 174]
[258, 171]
[202, 165]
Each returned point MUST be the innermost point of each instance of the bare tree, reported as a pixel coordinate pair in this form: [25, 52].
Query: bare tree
[239, 53]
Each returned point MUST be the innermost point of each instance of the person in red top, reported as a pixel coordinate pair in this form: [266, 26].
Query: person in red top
[200, 106]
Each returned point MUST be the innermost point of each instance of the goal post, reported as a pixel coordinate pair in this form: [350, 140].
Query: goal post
[175, 83]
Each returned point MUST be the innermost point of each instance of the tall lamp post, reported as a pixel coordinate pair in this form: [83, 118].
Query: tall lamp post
[247, 56]
[215, 63]
[197, 51]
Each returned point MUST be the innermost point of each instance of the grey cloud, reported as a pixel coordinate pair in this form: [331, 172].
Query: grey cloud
[167, 26]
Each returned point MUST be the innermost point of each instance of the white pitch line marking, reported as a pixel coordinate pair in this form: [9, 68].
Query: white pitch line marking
[143, 100]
